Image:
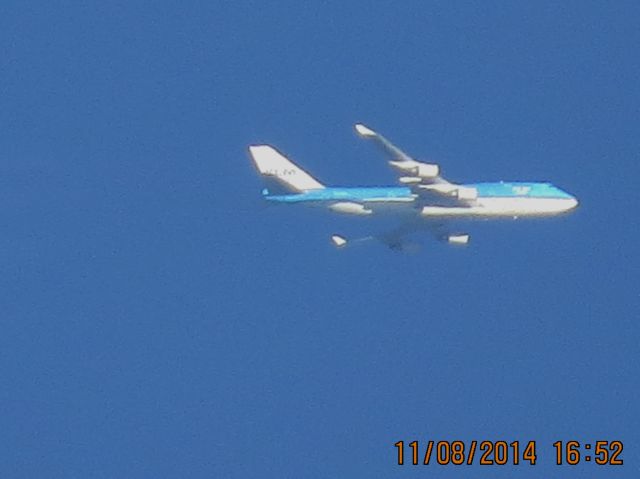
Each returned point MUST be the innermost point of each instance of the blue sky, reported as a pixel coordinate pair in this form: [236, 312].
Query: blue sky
[159, 321]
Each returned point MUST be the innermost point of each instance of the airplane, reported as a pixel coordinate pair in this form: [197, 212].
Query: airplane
[423, 201]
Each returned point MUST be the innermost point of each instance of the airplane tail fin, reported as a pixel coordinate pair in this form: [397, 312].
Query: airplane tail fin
[280, 172]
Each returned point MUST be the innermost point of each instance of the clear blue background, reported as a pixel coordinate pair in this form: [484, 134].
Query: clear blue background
[158, 321]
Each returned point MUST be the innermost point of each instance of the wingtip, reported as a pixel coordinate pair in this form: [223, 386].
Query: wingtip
[338, 241]
[363, 131]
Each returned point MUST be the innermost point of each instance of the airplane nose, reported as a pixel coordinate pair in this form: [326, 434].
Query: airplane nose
[573, 204]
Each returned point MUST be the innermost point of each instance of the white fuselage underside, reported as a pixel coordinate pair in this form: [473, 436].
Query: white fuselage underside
[503, 207]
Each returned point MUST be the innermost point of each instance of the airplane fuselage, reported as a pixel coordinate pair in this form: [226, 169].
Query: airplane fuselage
[494, 200]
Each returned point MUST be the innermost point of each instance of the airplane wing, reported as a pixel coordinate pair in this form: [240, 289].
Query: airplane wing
[398, 239]
[424, 179]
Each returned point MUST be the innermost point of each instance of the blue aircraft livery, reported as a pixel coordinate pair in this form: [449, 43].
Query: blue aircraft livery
[425, 201]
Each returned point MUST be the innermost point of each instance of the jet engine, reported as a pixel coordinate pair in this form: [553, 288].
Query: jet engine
[350, 208]
[467, 194]
[417, 169]
[458, 239]
[426, 170]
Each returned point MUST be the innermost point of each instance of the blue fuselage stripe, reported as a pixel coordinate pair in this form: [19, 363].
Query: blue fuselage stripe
[404, 194]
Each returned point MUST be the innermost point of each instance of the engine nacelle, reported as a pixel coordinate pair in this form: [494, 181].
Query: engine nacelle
[349, 208]
[467, 194]
[426, 170]
[460, 240]
[416, 168]
[410, 180]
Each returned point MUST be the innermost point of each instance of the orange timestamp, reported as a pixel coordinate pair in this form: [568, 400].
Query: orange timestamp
[484, 453]
[490, 453]
[601, 452]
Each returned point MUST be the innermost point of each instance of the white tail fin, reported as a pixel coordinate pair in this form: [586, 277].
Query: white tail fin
[274, 165]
